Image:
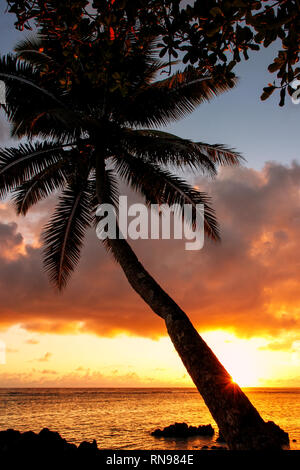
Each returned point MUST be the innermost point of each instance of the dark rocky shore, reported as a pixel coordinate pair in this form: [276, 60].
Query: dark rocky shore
[183, 430]
[14, 444]
[48, 445]
[51, 444]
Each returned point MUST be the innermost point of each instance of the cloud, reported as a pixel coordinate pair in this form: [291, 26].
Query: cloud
[32, 341]
[4, 131]
[249, 283]
[47, 356]
[49, 372]
[88, 378]
[289, 343]
[11, 242]
[11, 350]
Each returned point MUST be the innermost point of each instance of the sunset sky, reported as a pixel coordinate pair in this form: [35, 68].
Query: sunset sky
[243, 295]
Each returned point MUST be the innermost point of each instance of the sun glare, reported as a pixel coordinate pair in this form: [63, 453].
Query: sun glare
[241, 357]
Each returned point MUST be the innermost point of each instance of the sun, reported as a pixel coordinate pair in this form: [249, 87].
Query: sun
[242, 358]
[244, 378]
[243, 367]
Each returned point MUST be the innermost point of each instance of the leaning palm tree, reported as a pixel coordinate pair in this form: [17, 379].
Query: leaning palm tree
[86, 128]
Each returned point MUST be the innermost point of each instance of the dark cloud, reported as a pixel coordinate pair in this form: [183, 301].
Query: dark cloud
[249, 283]
[9, 238]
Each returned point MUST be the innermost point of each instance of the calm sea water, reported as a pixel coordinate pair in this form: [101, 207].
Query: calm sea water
[124, 418]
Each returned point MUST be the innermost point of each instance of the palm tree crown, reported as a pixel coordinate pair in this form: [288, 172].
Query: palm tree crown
[78, 117]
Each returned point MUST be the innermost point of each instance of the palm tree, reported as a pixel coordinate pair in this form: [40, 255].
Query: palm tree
[84, 125]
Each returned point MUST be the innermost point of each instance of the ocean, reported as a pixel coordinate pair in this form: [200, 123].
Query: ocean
[124, 418]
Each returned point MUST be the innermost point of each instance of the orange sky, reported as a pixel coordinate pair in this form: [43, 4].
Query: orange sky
[243, 295]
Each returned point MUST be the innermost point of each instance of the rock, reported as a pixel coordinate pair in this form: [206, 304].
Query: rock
[29, 436]
[8, 439]
[31, 446]
[50, 436]
[220, 438]
[280, 433]
[9, 435]
[183, 430]
[87, 446]
[204, 447]
[268, 436]
[51, 439]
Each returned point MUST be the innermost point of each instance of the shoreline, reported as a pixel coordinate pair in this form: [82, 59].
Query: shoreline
[12, 440]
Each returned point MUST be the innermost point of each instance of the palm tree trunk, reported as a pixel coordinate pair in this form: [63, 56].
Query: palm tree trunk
[239, 422]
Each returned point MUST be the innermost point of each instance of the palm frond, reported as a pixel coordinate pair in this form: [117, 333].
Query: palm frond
[39, 187]
[25, 162]
[33, 110]
[31, 50]
[16, 72]
[170, 99]
[29, 43]
[159, 186]
[45, 122]
[64, 234]
[110, 191]
[163, 148]
[220, 154]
